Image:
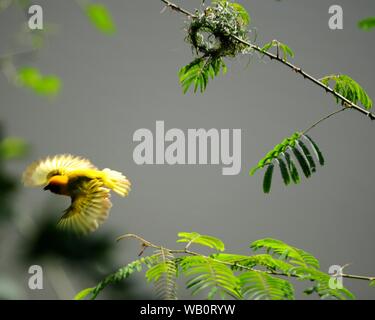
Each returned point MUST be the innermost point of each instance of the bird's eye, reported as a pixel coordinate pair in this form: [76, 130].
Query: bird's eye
[55, 188]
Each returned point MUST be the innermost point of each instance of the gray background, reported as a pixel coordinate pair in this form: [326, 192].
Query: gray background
[116, 85]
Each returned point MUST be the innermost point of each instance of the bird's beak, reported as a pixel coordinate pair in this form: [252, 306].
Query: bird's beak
[46, 188]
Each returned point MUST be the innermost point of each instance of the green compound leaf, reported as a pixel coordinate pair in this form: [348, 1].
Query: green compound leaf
[101, 18]
[281, 155]
[286, 251]
[198, 72]
[205, 273]
[196, 238]
[349, 89]
[262, 286]
[164, 274]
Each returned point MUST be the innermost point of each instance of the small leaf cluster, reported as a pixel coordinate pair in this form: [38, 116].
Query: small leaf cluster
[199, 71]
[257, 276]
[163, 274]
[298, 145]
[349, 89]
[280, 48]
[31, 78]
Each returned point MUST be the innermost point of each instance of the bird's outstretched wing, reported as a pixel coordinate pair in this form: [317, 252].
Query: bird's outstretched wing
[89, 208]
[38, 173]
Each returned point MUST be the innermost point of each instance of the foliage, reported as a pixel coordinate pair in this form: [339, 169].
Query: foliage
[367, 24]
[13, 148]
[120, 274]
[196, 238]
[220, 31]
[260, 285]
[301, 146]
[280, 48]
[100, 18]
[31, 78]
[258, 276]
[286, 252]
[349, 89]
[164, 273]
[212, 34]
[199, 71]
[205, 273]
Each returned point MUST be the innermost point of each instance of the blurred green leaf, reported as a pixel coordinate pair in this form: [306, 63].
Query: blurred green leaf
[83, 294]
[101, 18]
[49, 85]
[44, 85]
[367, 24]
[12, 148]
[29, 77]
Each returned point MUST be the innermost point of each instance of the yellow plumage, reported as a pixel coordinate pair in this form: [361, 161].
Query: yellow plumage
[87, 186]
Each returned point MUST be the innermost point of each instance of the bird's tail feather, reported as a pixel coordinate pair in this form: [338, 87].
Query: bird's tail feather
[116, 181]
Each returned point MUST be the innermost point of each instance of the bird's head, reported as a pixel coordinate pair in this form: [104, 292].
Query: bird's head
[57, 184]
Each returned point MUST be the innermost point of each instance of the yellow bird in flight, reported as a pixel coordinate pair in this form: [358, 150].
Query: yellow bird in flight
[87, 186]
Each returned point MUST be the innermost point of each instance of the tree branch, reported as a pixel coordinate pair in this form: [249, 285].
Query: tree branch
[177, 8]
[344, 101]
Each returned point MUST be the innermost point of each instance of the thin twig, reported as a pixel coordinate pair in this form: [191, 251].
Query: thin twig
[345, 102]
[177, 8]
[147, 243]
[322, 119]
